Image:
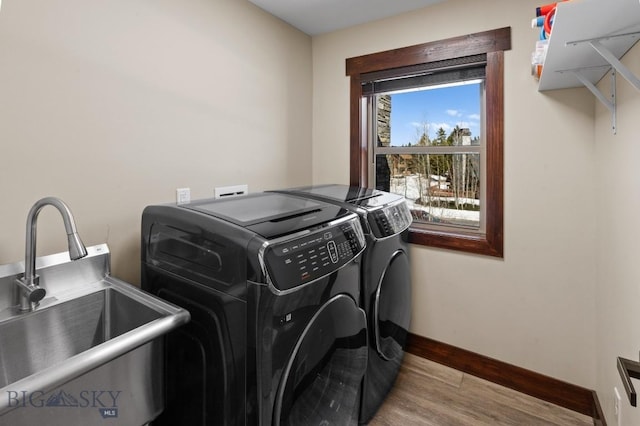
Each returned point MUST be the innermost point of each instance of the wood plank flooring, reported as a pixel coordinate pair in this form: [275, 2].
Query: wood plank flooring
[431, 394]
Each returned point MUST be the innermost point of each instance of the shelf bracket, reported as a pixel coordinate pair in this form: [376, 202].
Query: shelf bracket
[610, 102]
[615, 63]
[608, 56]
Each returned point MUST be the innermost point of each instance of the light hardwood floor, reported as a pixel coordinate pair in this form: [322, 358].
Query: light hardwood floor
[431, 394]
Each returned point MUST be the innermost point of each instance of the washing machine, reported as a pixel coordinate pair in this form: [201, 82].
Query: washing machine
[277, 336]
[386, 280]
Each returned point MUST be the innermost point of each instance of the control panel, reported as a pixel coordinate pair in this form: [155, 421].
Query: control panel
[301, 260]
[390, 220]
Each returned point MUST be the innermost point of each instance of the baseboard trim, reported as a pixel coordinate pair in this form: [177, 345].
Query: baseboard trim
[576, 398]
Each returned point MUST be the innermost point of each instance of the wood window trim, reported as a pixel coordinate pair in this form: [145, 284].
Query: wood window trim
[492, 43]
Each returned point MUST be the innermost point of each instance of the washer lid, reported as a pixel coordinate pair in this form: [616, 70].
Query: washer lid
[366, 198]
[386, 213]
[269, 214]
[344, 193]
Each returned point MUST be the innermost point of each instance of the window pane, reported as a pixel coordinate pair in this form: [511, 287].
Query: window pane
[441, 189]
[430, 116]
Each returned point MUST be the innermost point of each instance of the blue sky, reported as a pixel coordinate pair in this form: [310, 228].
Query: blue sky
[442, 107]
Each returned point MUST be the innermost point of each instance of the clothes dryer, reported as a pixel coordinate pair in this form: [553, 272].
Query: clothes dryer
[385, 278]
[276, 334]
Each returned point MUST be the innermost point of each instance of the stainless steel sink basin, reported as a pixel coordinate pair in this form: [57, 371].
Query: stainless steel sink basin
[32, 343]
[88, 354]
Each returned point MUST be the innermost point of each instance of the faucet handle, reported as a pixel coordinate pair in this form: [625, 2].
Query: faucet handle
[31, 292]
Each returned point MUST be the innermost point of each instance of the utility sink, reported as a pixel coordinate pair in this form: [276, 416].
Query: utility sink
[92, 352]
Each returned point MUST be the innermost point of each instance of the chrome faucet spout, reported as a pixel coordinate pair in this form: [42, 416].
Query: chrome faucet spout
[30, 291]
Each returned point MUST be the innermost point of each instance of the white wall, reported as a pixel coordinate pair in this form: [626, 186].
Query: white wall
[112, 105]
[534, 308]
[618, 249]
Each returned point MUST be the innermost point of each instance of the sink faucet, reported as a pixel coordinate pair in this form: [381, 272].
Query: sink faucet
[28, 286]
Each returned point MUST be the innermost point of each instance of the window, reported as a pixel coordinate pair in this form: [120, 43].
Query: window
[426, 143]
[451, 171]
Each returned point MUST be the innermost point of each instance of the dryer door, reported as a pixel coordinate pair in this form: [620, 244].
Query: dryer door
[321, 382]
[392, 307]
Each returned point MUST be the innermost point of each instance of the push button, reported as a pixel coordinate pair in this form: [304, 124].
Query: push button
[333, 252]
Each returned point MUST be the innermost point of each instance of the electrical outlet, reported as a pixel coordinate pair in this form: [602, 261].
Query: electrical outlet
[183, 195]
[230, 191]
[617, 406]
